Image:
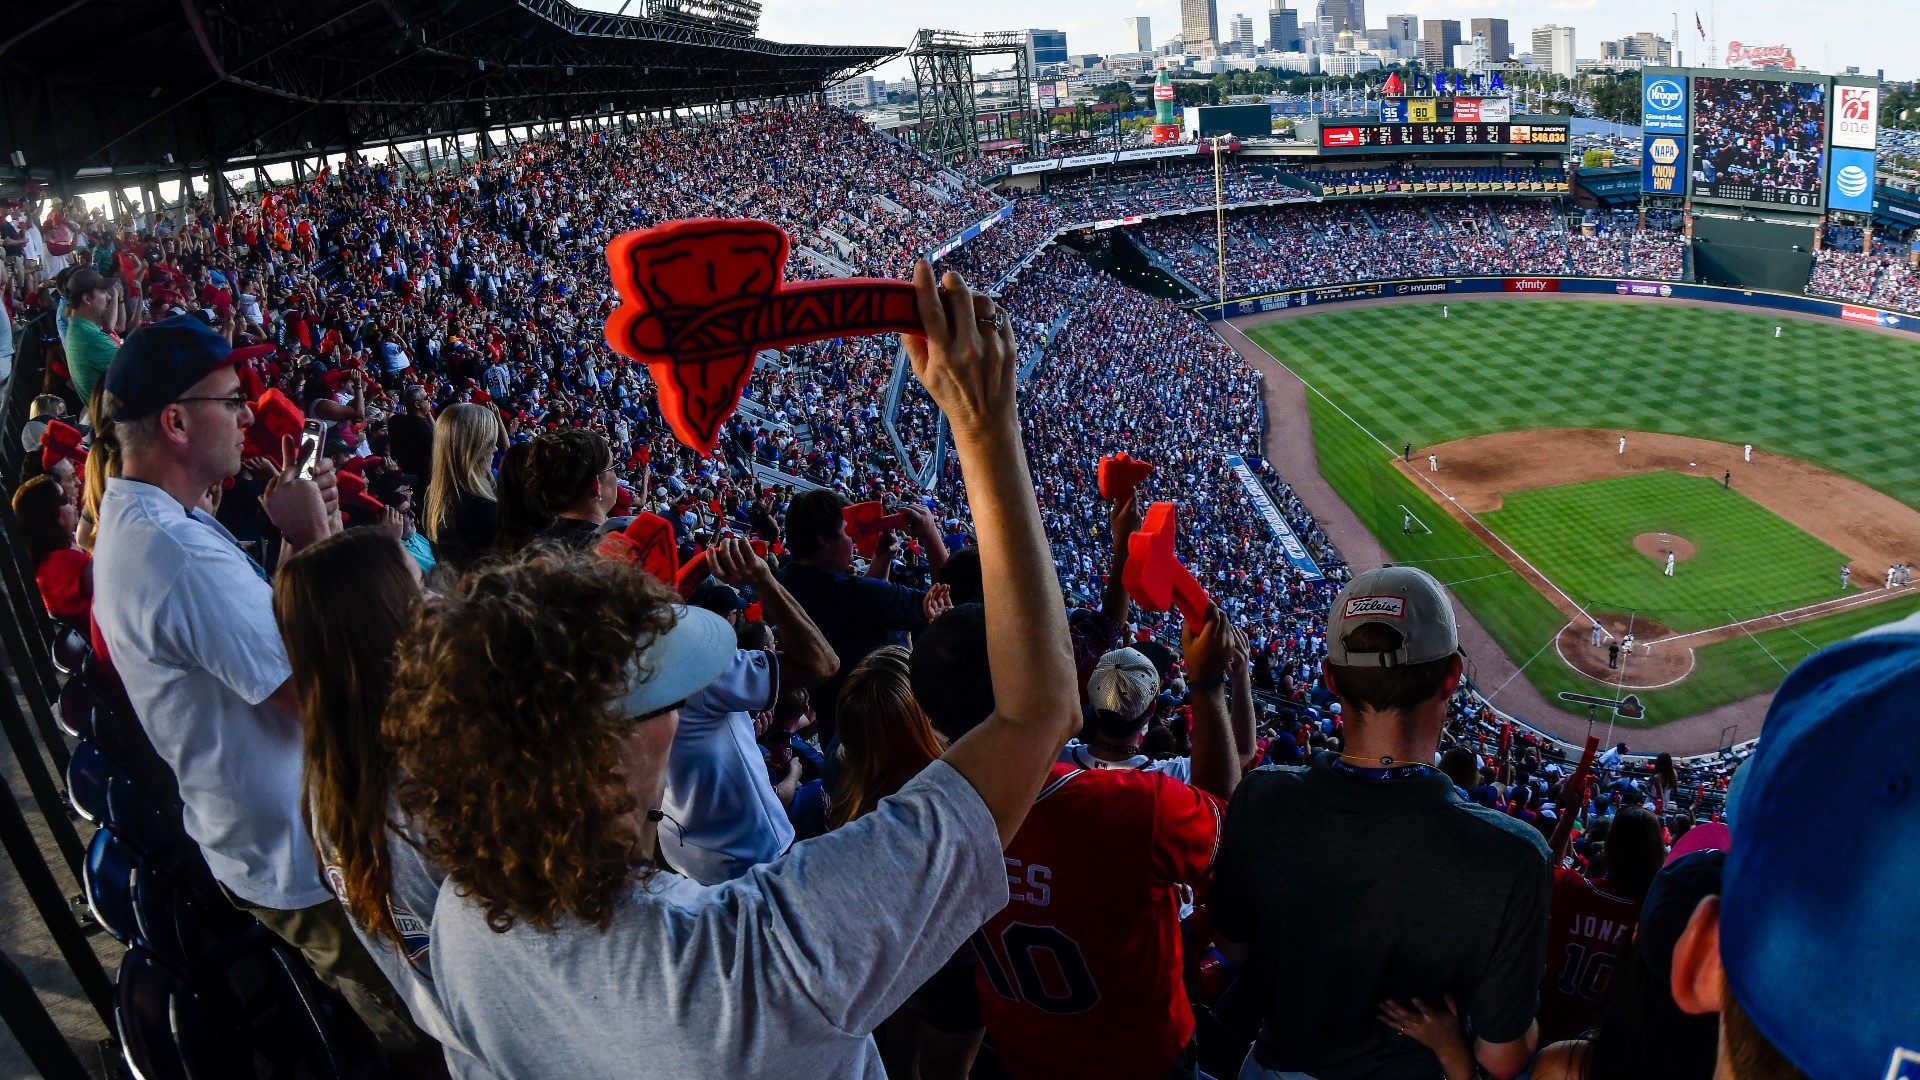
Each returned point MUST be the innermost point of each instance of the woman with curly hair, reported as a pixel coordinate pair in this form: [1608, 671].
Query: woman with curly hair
[534, 708]
[885, 737]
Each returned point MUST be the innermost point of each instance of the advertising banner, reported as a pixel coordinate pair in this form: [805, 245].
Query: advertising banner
[1393, 110]
[1856, 116]
[1290, 545]
[1083, 160]
[1416, 288]
[1024, 167]
[969, 233]
[1495, 110]
[1739, 55]
[1867, 315]
[1147, 153]
[1663, 165]
[1423, 111]
[1467, 110]
[1531, 285]
[1851, 185]
[1340, 136]
[1663, 105]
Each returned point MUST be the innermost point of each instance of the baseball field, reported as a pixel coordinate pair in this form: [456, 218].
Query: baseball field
[1763, 465]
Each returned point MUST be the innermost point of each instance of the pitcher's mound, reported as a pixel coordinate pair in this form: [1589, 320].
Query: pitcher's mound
[1656, 545]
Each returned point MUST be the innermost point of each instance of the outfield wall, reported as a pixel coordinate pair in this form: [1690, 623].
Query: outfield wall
[1620, 287]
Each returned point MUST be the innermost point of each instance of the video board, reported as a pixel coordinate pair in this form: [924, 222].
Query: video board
[1442, 134]
[1759, 140]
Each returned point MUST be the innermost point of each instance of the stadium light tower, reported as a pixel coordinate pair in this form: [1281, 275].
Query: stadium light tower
[949, 92]
[1219, 220]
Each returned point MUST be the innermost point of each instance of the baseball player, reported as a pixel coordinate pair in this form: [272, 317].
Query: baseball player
[1846, 572]
[1623, 444]
[1444, 313]
[1433, 462]
[1776, 333]
[1626, 645]
[1406, 523]
[1890, 572]
[1746, 452]
[1596, 633]
[1669, 564]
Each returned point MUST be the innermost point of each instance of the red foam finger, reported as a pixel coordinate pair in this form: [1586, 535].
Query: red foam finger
[700, 297]
[1120, 473]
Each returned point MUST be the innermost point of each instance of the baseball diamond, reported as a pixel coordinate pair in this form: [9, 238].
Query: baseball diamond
[1541, 510]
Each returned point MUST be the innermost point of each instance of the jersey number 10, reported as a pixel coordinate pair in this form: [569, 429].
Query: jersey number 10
[1023, 947]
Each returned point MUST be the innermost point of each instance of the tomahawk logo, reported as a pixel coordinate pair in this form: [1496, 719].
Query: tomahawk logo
[1905, 1065]
[1377, 607]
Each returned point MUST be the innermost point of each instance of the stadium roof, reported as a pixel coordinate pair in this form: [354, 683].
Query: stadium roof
[97, 85]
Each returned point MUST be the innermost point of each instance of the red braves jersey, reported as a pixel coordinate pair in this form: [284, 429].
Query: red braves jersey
[1588, 927]
[1079, 974]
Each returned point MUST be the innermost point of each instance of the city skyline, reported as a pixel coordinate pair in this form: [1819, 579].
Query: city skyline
[1829, 43]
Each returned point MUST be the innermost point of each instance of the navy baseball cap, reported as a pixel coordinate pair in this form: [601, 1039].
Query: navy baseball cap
[1817, 929]
[160, 362]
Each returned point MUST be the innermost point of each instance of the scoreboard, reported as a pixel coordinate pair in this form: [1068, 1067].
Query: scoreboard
[1447, 133]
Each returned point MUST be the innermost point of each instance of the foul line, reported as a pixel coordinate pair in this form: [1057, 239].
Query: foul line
[1482, 577]
[1308, 385]
[1405, 509]
[1763, 648]
[1811, 611]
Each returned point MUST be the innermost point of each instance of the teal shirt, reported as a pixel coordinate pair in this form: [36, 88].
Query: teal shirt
[421, 551]
[89, 352]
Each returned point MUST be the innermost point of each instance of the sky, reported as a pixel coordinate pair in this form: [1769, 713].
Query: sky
[1827, 36]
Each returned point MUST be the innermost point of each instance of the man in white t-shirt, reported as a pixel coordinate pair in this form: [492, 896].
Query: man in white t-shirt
[722, 814]
[187, 618]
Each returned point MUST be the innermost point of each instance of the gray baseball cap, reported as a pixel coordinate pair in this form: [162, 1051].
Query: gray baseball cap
[1124, 682]
[1409, 601]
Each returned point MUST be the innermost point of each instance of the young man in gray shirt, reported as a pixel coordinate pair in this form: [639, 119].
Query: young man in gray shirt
[1412, 893]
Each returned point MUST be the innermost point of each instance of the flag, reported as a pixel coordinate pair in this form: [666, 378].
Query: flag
[1699, 26]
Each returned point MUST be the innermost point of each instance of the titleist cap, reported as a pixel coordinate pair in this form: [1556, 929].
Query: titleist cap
[1404, 599]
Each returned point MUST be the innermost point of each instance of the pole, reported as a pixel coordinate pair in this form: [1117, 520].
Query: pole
[1219, 220]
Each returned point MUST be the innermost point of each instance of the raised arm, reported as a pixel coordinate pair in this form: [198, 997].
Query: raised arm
[1246, 740]
[966, 362]
[1207, 648]
[806, 658]
[1124, 517]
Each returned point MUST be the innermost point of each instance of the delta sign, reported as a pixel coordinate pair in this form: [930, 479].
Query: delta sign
[1663, 105]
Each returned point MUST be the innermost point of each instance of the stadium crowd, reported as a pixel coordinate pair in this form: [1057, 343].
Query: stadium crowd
[845, 779]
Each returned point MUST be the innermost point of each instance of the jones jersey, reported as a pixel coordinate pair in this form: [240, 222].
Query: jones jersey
[1588, 926]
[1080, 974]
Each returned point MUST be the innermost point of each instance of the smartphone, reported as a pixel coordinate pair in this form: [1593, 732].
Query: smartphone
[313, 436]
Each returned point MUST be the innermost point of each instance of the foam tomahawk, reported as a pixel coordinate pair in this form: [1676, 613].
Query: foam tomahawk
[700, 297]
[1154, 575]
[866, 521]
[1120, 473]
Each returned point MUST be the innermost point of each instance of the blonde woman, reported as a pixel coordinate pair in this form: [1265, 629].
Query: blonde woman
[461, 512]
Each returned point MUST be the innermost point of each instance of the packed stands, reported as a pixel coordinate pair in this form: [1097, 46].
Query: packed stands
[381, 300]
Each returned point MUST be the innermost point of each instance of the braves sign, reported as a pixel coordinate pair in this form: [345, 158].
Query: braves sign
[1663, 105]
[1739, 55]
[1856, 116]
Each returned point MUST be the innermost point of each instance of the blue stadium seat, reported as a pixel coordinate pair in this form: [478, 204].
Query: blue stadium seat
[189, 934]
[79, 701]
[71, 649]
[89, 777]
[144, 1011]
[108, 873]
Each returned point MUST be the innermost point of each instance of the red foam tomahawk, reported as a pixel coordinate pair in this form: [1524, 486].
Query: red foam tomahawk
[866, 521]
[1574, 793]
[1155, 576]
[1120, 473]
[647, 540]
[700, 297]
[62, 441]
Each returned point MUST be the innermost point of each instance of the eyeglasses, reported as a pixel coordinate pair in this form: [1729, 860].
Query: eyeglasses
[235, 401]
[655, 714]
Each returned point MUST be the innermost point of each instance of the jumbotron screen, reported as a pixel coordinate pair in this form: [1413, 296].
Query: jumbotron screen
[1759, 141]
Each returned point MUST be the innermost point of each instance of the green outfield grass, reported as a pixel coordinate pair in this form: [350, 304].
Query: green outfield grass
[1747, 561]
[1837, 396]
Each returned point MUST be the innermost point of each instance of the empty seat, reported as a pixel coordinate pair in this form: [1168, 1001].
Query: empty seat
[71, 649]
[89, 777]
[78, 702]
[108, 873]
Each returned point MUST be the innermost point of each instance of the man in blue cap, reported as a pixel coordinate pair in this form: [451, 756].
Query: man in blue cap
[1808, 954]
[187, 619]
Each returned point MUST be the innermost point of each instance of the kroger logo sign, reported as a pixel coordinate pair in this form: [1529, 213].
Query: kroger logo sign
[1664, 106]
[1852, 181]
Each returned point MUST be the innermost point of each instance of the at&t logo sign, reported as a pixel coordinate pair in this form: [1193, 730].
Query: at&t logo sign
[1852, 181]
